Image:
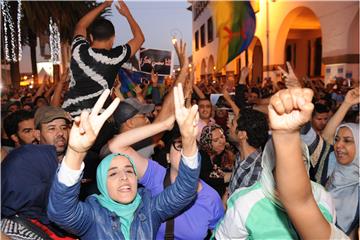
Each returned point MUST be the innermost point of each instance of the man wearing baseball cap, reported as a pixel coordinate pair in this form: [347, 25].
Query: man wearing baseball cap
[27, 173]
[130, 114]
[52, 127]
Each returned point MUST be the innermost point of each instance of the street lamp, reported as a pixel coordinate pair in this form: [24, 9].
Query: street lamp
[175, 34]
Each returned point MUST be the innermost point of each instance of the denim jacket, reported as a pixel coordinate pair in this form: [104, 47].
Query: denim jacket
[89, 220]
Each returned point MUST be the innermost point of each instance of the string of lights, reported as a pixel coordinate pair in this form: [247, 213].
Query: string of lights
[10, 26]
[54, 42]
[19, 15]
[6, 40]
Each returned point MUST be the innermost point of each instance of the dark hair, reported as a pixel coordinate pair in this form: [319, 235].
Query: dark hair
[204, 99]
[102, 29]
[23, 99]
[168, 138]
[38, 98]
[255, 124]
[320, 108]
[256, 90]
[11, 122]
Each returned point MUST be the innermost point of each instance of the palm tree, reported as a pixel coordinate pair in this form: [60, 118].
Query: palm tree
[36, 22]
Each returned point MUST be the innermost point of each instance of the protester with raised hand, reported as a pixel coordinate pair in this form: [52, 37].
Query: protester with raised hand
[291, 80]
[288, 111]
[94, 64]
[258, 212]
[121, 211]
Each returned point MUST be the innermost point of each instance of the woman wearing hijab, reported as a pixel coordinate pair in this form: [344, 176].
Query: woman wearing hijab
[121, 211]
[295, 190]
[257, 212]
[203, 213]
[217, 158]
[343, 184]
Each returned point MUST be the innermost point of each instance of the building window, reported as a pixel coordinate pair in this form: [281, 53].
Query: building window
[202, 35]
[198, 7]
[210, 31]
[196, 40]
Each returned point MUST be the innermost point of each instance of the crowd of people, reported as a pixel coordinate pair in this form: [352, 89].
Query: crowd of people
[81, 160]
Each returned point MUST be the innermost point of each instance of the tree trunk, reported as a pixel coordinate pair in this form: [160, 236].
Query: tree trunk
[32, 44]
[15, 74]
[56, 73]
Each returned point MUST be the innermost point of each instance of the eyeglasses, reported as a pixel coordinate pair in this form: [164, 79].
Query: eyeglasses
[177, 145]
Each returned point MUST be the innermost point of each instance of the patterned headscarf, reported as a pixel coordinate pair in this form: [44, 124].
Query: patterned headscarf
[206, 137]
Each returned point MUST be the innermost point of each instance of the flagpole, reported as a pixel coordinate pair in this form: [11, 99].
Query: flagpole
[267, 40]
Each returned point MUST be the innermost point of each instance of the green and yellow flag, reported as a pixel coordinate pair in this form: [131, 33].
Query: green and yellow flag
[235, 26]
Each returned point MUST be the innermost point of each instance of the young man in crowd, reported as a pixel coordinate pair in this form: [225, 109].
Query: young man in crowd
[250, 132]
[131, 114]
[19, 126]
[320, 117]
[27, 173]
[94, 65]
[205, 113]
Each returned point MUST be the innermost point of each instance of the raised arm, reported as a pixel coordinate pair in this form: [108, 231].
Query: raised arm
[228, 99]
[121, 142]
[85, 21]
[198, 92]
[168, 101]
[64, 207]
[352, 97]
[288, 110]
[138, 36]
[291, 80]
[85, 129]
[178, 195]
[187, 119]
[56, 99]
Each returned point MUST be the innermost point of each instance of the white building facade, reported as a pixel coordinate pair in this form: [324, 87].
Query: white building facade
[320, 39]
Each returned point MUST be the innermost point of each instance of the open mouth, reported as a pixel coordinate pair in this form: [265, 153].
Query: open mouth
[125, 188]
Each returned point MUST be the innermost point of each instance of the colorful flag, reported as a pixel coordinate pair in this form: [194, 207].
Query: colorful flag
[129, 79]
[235, 26]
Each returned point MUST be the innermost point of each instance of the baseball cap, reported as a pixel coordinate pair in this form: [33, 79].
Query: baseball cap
[129, 108]
[47, 114]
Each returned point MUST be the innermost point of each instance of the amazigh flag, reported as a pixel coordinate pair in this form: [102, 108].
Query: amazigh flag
[235, 26]
[127, 84]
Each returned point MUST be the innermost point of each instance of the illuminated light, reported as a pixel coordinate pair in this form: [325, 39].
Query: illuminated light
[178, 69]
[175, 35]
[25, 77]
[190, 66]
[9, 25]
[19, 30]
[54, 42]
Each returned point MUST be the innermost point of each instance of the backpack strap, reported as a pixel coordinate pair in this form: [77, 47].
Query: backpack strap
[169, 229]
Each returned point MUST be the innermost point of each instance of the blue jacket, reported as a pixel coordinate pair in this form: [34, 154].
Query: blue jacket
[89, 220]
[26, 177]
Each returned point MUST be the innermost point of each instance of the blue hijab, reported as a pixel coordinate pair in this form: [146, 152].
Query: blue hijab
[124, 211]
